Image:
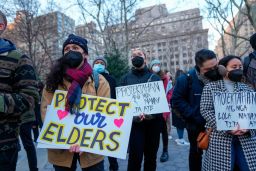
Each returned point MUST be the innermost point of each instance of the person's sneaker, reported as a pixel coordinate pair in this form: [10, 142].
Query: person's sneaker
[181, 142]
[164, 157]
[169, 137]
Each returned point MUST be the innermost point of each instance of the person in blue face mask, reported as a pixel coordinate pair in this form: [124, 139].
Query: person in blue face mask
[99, 66]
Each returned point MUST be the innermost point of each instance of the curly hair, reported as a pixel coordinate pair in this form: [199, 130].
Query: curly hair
[56, 76]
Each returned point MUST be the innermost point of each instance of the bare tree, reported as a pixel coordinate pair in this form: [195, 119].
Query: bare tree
[36, 34]
[228, 18]
[26, 28]
[115, 21]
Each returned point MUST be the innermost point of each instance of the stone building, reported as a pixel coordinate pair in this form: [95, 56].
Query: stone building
[173, 38]
[94, 38]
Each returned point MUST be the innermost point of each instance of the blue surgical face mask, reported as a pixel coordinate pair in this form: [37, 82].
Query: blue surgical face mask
[99, 68]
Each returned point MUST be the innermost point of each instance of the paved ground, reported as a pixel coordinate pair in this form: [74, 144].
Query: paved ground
[178, 160]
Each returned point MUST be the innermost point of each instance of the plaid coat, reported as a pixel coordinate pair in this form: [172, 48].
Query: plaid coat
[218, 154]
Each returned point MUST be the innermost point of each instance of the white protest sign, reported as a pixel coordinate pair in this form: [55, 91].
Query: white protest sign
[102, 126]
[232, 109]
[148, 98]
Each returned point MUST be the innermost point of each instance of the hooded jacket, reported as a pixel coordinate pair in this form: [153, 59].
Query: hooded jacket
[18, 92]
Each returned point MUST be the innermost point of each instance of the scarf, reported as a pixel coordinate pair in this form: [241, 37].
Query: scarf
[78, 77]
[202, 78]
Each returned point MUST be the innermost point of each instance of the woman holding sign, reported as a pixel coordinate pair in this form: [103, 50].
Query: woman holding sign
[229, 148]
[73, 73]
[145, 132]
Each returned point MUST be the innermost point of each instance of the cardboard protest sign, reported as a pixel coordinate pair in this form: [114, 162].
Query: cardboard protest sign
[102, 126]
[233, 109]
[148, 98]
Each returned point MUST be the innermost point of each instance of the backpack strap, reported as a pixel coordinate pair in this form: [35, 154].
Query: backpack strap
[149, 79]
[96, 79]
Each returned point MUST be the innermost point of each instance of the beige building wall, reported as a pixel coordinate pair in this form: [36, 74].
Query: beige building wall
[173, 38]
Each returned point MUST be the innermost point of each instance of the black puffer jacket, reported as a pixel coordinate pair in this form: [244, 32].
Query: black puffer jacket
[138, 76]
[112, 83]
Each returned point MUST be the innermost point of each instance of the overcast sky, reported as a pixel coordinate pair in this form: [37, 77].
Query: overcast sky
[172, 5]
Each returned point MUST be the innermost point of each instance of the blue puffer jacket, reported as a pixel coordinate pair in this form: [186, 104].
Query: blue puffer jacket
[186, 98]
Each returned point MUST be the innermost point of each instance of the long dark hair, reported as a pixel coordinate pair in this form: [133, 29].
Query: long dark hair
[56, 75]
[224, 61]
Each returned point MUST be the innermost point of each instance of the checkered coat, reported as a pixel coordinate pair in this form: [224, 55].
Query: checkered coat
[218, 154]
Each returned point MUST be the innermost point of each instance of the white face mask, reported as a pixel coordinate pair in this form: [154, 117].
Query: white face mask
[156, 69]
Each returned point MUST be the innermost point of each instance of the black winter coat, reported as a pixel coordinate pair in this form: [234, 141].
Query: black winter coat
[112, 83]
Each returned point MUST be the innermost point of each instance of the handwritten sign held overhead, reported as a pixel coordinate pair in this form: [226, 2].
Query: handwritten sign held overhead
[101, 126]
[233, 109]
[148, 98]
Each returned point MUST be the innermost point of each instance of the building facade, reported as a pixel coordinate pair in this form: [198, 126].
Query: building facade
[45, 35]
[94, 38]
[173, 38]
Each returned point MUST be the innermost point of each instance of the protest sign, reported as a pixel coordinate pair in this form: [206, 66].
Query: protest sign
[102, 126]
[147, 98]
[233, 109]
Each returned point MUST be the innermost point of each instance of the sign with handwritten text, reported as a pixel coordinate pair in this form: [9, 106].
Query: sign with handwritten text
[235, 109]
[147, 98]
[102, 126]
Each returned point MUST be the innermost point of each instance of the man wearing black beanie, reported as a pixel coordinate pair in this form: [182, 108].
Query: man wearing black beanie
[250, 64]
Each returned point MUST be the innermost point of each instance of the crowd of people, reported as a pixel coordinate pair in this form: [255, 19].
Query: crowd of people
[24, 100]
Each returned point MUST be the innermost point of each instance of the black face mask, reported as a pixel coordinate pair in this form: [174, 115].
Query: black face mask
[235, 75]
[72, 59]
[137, 61]
[213, 75]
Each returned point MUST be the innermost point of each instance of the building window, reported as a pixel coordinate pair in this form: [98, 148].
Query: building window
[158, 44]
[165, 64]
[160, 57]
[184, 55]
[177, 62]
[176, 56]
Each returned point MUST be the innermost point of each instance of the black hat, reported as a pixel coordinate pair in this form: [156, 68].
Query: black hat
[253, 41]
[73, 39]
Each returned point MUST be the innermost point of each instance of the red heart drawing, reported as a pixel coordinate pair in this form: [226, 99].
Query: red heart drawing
[119, 122]
[62, 114]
